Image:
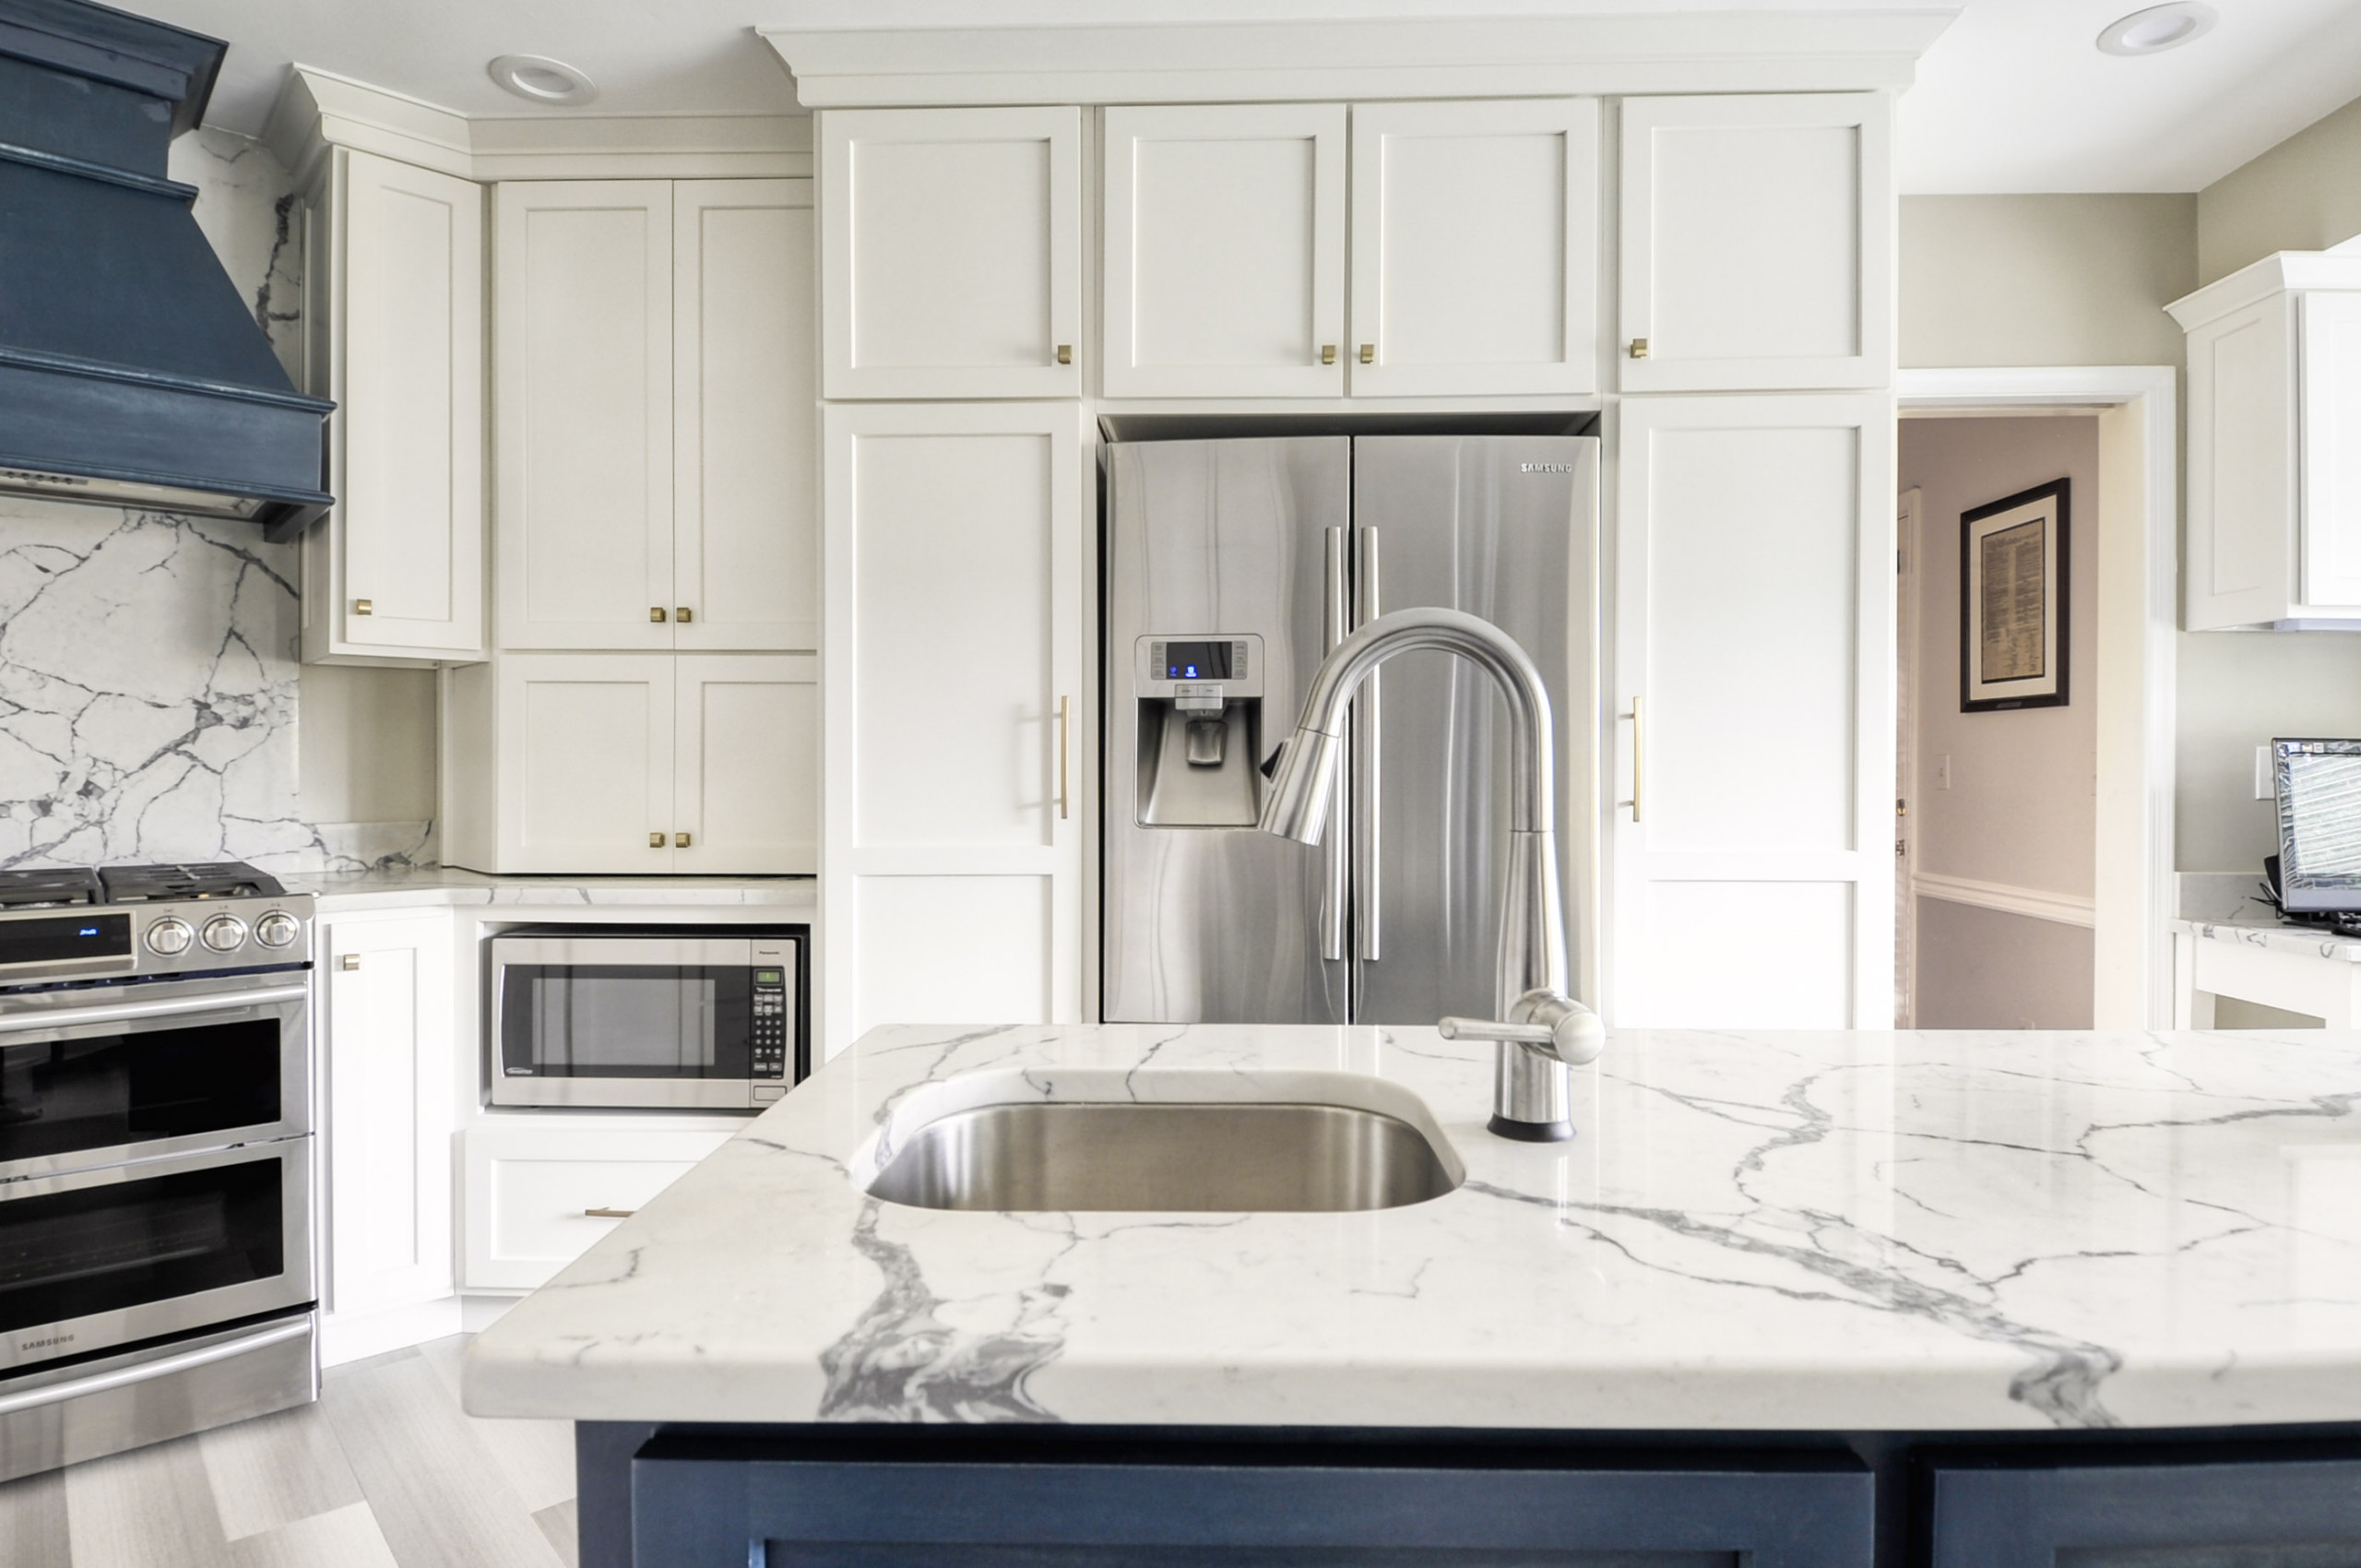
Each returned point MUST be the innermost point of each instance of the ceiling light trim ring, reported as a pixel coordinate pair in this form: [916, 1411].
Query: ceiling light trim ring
[537, 79]
[2158, 27]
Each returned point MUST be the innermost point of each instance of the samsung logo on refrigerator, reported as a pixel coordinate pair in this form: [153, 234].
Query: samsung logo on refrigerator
[1545, 468]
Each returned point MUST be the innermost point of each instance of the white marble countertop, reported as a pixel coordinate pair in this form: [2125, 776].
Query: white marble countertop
[1752, 1232]
[406, 887]
[2265, 930]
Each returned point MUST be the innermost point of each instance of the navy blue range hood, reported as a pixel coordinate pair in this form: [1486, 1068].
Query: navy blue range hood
[131, 373]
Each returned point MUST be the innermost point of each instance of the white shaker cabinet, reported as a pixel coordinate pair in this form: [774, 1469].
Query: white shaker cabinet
[389, 1060]
[394, 314]
[582, 380]
[2274, 469]
[1475, 248]
[951, 252]
[1757, 242]
[1225, 251]
[958, 731]
[1753, 781]
[622, 764]
[540, 1191]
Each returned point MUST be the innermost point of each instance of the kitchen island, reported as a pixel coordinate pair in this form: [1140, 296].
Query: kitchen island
[1898, 1272]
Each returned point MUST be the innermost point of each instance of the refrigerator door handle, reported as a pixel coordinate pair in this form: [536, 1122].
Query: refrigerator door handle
[1366, 582]
[1335, 622]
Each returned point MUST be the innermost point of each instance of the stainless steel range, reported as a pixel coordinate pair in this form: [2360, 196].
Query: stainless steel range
[156, 1257]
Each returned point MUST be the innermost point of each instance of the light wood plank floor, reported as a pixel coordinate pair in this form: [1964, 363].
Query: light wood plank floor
[385, 1471]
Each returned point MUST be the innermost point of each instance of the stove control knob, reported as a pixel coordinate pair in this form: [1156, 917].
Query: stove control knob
[278, 929]
[225, 934]
[169, 937]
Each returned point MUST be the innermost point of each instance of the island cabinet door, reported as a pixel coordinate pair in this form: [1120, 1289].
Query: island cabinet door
[2246, 1505]
[1758, 243]
[956, 728]
[951, 252]
[696, 1505]
[1753, 773]
[389, 1061]
[1226, 251]
[1475, 247]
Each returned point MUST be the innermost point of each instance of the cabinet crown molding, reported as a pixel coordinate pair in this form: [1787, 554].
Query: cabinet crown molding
[317, 110]
[1426, 57]
[2274, 274]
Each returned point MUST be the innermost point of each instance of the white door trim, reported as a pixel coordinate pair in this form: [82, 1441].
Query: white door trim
[2138, 598]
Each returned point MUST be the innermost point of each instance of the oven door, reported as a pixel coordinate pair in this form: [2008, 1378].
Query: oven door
[95, 1076]
[93, 1259]
[622, 1021]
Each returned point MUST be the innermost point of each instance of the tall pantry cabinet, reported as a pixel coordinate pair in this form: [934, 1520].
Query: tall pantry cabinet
[655, 453]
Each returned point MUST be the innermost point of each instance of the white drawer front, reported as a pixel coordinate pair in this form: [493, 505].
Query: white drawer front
[530, 1210]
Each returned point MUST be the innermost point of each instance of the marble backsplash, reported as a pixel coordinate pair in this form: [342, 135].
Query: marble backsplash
[149, 687]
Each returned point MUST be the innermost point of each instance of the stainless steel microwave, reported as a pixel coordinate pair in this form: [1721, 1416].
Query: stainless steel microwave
[711, 1017]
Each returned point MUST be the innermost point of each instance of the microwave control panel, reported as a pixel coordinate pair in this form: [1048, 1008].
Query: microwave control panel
[774, 1019]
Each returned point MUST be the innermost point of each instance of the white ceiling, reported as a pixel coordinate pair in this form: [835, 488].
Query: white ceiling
[2013, 98]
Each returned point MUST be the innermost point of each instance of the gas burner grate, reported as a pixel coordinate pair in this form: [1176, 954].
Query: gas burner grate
[49, 887]
[219, 879]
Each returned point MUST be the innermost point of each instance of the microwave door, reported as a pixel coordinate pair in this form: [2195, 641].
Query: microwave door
[624, 1022]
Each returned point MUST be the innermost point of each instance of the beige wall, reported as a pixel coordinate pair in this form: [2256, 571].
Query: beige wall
[2303, 195]
[366, 744]
[2045, 279]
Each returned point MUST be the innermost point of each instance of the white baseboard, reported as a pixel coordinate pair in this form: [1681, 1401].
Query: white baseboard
[2066, 909]
[346, 1337]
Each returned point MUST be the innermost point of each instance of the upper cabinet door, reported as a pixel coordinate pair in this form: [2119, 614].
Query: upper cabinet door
[582, 394]
[1226, 251]
[586, 763]
[1758, 243]
[745, 492]
[951, 252]
[404, 546]
[1475, 247]
[746, 767]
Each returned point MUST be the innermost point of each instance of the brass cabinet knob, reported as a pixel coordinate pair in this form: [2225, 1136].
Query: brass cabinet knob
[679, 841]
[348, 960]
[363, 607]
[1327, 353]
[1065, 353]
[1639, 348]
[656, 840]
[1369, 353]
[685, 615]
[656, 612]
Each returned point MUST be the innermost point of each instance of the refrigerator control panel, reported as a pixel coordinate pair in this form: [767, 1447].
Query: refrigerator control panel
[1207, 664]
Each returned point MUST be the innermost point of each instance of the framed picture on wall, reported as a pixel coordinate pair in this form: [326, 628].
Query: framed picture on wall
[2013, 620]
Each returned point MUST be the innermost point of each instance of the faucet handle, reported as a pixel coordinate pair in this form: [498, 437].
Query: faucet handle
[1547, 1020]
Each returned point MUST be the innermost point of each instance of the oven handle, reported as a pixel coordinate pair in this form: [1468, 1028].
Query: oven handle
[124, 1377]
[217, 1002]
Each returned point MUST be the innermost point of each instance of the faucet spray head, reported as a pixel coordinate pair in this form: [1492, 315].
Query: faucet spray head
[1297, 805]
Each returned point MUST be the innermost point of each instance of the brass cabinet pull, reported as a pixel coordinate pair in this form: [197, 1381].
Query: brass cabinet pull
[1639, 755]
[609, 1213]
[656, 840]
[656, 612]
[348, 961]
[1369, 353]
[1065, 717]
[1065, 353]
[684, 615]
[679, 841]
[1639, 348]
[1327, 353]
[363, 607]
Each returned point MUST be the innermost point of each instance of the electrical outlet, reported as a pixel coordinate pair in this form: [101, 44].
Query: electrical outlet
[2263, 788]
[1943, 771]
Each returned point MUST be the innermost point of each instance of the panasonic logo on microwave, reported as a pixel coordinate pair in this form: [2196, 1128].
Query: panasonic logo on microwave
[1545, 468]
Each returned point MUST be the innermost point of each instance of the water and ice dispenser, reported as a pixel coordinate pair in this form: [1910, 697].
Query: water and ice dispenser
[1200, 729]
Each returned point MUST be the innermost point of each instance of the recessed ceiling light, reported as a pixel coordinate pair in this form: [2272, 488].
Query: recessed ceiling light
[539, 79]
[2157, 29]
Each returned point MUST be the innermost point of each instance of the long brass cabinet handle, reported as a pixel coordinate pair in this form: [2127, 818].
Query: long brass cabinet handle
[1639, 755]
[1065, 722]
[609, 1213]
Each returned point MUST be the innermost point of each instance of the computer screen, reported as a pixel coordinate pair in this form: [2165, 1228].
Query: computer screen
[2319, 824]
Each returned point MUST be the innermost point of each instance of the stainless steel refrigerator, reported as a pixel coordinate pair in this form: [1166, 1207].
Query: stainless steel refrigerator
[1232, 566]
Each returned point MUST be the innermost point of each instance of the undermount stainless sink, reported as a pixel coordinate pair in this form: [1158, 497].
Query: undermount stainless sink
[1229, 1156]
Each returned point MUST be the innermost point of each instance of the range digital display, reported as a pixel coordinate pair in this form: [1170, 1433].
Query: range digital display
[59, 939]
[1196, 662]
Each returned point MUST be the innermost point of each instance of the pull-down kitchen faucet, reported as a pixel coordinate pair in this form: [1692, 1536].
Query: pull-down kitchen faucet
[1542, 1030]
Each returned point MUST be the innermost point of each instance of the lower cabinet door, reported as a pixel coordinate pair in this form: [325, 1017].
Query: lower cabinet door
[2260, 1505]
[539, 1194]
[390, 1056]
